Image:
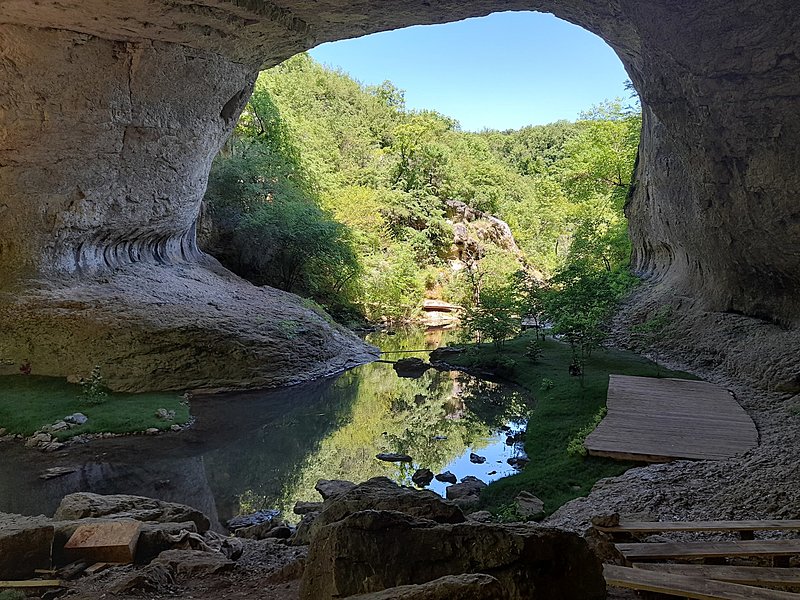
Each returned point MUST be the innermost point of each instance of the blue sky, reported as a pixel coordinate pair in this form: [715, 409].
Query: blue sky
[503, 71]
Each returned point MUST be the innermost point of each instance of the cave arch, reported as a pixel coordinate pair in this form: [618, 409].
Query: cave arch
[111, 112]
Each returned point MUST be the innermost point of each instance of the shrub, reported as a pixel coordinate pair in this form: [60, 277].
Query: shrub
[534, 350]
[575, 446]
[546, 385]
[93, 390]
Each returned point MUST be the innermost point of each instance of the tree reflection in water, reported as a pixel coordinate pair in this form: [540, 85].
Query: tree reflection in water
[437, 419]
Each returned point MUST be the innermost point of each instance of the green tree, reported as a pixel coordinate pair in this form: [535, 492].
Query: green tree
[579, 302]
[496, 317]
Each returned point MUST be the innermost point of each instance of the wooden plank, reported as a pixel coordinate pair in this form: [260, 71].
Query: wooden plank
[658, 420]
[31, 583]
[687, 587]
[111, 541]
[656, 526]
[676, 550]
[760, 576]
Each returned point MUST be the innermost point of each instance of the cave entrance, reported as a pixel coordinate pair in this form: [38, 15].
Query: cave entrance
[512, 150]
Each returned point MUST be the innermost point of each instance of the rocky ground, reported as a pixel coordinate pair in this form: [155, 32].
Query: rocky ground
[759, 363]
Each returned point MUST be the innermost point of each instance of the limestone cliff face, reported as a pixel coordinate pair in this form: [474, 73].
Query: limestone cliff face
[111, 111]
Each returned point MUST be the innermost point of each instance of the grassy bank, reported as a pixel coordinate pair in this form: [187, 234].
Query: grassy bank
[28, 402]
[563, 407]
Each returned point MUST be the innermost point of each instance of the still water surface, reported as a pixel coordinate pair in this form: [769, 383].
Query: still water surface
[266, 449]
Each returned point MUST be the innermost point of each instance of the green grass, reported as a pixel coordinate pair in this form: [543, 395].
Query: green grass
[29, 402]
[560, 413]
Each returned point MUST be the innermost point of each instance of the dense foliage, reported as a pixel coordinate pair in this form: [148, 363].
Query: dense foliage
[336, 191]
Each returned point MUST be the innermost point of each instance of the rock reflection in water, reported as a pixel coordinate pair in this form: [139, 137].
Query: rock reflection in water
[255, 450]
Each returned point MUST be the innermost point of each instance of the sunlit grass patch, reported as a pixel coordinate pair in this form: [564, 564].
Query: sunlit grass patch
[29, 402]
[564, 407]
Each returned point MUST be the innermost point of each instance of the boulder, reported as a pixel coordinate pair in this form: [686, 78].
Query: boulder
[256, 532]
[328, 488]
[25, 545]
[480, 516]
[121, 506]
[473, 586]
[380, 493]
[265, 518]
[476, 458]
[305, 529]
[76, 418]
[467, 493]
[303, 508]
[422, 477]
[194, 563]
[528, 505]
[154, 578]
[38, 439]
[370, 551]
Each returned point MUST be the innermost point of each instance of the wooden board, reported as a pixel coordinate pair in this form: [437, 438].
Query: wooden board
[656, 526]
[31, 583]
[112, 541]
[760, 576]
[676, 550]
[659, 420]
[688, 587]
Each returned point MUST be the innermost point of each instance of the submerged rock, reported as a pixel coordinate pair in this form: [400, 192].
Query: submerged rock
[393, 457]
[422, 477]
[476, 458]
[446, 477]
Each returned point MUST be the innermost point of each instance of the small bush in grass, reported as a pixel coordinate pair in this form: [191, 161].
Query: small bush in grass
[533, 350]
[546, 385]
[93, 390]
[575, 446]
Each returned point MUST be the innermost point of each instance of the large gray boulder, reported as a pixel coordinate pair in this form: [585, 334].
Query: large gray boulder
[374, 550]
[83, 505]
[381, 493]
[462, 587]
[25, 545]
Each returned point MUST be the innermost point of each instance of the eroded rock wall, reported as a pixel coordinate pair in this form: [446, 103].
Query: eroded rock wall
[112, 110]
[105, 148]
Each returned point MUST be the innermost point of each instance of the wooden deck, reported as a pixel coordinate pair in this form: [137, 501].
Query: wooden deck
[759, 576]
[684, 586]
[690, 550]
[659, 420]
